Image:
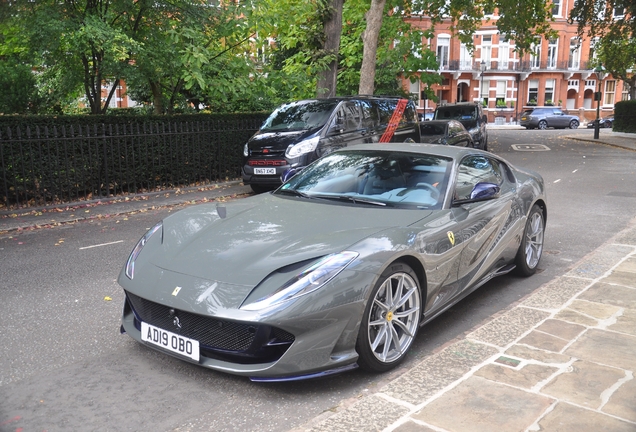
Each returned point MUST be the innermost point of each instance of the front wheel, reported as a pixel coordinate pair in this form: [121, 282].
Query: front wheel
[574, 124]
[543, 125]
[390, 320]
[531, 247]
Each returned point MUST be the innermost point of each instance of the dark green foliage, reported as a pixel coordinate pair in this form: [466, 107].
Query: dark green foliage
[18, 94]
[625, 116]
[47, 159]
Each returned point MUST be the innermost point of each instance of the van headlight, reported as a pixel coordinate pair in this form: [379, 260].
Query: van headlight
[303, 147]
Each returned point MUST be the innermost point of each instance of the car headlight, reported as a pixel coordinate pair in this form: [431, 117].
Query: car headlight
[474, 130]
[130, 264]
[309, 280]
[303, 147]
[246, 150]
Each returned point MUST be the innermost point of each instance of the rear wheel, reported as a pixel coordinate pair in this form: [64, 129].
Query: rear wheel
[574, 124]
[543, 125]
[531, 247]
[391, 319]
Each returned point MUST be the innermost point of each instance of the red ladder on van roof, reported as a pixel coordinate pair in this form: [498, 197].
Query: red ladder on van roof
[394, 122]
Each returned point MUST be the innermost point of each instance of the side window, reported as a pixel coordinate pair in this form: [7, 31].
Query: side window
[558, 112]
[352, 116]
[473, 170]
[348, 117]
[370, 115]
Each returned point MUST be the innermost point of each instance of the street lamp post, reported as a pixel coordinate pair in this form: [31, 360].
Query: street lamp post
[482, 67]
[600, 74]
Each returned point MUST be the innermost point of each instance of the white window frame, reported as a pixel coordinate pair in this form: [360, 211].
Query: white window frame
[443, 56]
[553, 53]
[548, 95]
[609, 96]
[533, 91]
[556, 4]
[574, 60]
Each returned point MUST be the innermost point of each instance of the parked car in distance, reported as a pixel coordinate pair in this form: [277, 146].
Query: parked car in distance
[471, 115]
[446, 132]
[605, 122]
[298, 133]
[548, 117]
[425, 116]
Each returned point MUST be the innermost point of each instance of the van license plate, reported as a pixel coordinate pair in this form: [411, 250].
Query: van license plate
[265, 171]
[170, 341]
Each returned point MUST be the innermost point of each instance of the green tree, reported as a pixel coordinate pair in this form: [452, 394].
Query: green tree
[614, 22]
[19, 91]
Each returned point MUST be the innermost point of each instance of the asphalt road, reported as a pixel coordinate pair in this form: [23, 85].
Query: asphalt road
[64, 365]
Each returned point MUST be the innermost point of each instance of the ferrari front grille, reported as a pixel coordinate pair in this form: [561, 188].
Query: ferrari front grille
[230, 337]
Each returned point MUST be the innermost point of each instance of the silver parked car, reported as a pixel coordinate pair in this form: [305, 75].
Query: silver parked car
[545, 117]
[337, 268]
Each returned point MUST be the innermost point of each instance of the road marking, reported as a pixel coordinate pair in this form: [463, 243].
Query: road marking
[530, 147]
[99, 245]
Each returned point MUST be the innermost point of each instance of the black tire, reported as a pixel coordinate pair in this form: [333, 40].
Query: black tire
[574, 124]
[543, 125]
[607, 125]
[381, 315]
[531, 247]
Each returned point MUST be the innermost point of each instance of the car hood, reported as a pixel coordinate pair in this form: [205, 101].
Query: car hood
[277, 140]
[244, 241]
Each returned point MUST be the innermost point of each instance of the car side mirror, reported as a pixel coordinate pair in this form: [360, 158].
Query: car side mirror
[483, 191]
[289, 173]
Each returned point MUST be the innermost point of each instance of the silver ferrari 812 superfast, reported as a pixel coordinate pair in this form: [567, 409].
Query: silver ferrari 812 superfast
[337, 268]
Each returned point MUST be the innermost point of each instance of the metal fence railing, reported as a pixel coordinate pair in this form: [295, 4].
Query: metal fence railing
[45, 164]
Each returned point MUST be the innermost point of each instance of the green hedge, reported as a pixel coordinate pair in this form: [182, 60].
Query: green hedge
[625, 116]
[49, 159]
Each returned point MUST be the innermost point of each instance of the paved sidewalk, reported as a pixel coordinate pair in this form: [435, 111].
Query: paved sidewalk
[563, 359]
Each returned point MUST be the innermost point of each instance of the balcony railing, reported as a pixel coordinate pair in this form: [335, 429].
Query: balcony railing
[515, 66]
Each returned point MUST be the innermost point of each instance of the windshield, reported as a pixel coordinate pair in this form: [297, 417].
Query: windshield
[301, 115]
[456, 113]
[383, 178]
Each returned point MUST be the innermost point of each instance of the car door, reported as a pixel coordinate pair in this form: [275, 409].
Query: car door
[480, 224]
[559, 120]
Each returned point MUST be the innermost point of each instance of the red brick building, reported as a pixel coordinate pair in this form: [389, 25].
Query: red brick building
[558, 72]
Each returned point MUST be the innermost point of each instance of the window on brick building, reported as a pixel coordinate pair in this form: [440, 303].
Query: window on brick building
[533, 91]
[443, 49]
[548, 96]
[610, 90]
[556, 7]
[553, 47]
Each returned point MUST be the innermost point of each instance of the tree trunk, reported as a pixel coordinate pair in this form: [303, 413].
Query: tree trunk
[327, 78]
[370, 39]
[157, 101]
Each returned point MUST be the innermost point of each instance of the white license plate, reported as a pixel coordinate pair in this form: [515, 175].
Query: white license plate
[170, 341]
[265, 171]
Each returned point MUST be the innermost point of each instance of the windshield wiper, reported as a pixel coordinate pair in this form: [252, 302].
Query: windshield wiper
[294, 192]
[366, 201]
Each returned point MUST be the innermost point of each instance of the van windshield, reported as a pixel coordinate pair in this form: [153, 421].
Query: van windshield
[302, 115]
[456, 113]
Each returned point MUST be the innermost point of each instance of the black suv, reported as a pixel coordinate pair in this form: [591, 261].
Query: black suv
[298, 133]
[471, 115]
[545, 117]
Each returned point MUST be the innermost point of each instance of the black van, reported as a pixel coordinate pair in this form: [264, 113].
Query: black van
[471, 115]
[298, 133]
